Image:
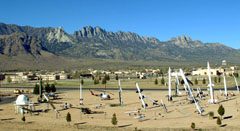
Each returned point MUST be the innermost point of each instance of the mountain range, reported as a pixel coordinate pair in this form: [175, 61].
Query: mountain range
[26, 47]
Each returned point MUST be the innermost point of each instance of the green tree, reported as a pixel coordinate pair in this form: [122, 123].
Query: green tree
[221, 111]
[107, 77]
[47, 88]
[23, 119]
[9, 80]
[68, 117]
[116, 77]
[219, 121]
[82, 82]
[196, 82]
[204, 81]
[219, 79]
[96, 81]
[235, 74]
[156, 81]
[162, 81]
[104, 81]
[53, 88]
[36, 89]
[215, 80]
[114, 119]
[193, 125]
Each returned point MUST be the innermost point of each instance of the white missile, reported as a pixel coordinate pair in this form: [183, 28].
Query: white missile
[81, 97]
[120, 92]
[141, 96]
[169, 85]
[236, 82]
[225, 84]
[200, 110]
[177, 83]
[210, 84]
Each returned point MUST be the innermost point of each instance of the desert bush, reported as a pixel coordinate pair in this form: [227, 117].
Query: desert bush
[114, 119]
[221, 111]
[193, 126]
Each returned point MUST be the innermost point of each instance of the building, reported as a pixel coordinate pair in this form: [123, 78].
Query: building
[48, 77]
[202, 72]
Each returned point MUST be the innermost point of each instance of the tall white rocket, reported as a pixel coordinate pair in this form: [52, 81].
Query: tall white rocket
[236, 82]
[210, 84]
[81, 96]
[225, 84]
[120, 92]
[198, 107]
[169, 85]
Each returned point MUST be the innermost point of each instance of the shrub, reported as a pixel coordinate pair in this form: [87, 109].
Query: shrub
[96, 81]
[193, 126]
[68, 117]
[9, 80]
[211, 114]
[215, 79]
[47, 88]
[221, 110]
[23, 119]
[82, 82]
[156, 81]
[104, 81]
[219, 79]
[36, 89]
[53, 88]
[196, 82]
[116, 77]
[204, 81]
[235, 74]
[162, 81]
[114, 119]
[219, 122]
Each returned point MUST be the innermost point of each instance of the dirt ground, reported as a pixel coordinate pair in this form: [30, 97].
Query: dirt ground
[179, 116]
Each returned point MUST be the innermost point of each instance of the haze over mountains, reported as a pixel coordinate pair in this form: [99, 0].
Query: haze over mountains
[25, 45]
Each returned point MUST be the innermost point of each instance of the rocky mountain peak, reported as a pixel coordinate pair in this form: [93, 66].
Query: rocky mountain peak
[182, 39]
[58, 35]
[89, 31]
[185, 42]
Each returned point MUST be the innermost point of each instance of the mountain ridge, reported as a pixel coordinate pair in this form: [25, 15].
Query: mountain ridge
[94, 42]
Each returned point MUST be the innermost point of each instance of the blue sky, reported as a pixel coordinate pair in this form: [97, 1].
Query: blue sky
[206, 20]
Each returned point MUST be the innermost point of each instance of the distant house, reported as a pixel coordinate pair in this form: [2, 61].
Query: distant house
[61, 76]
[202, 72]
[48, 77]
[14, 77]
